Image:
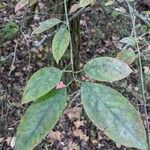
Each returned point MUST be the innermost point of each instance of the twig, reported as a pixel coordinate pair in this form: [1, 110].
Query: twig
[5, 58]
[12, 64]
[139, 16]
[73, 97]
[25, 37]
[111, 20]
[141, 71]
[71, 46]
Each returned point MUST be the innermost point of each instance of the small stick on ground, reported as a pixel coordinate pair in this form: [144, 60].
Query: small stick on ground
[13, 61]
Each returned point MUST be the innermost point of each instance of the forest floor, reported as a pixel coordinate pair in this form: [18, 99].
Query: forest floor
[19, 59]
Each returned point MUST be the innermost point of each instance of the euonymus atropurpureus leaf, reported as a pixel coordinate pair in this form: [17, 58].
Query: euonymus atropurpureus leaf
[84, 3]
[113, 113]
[60, 43]
[40, 118]
[128, 56]
[46, 25]
[107, 69]
[129, 40]
[40, 83]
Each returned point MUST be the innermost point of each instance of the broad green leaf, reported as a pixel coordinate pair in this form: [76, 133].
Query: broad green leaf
[113, 113]
[129, 40]
[9, 31]
[107, 69]
[46, 25]
[84, 3]
[39, 119]
[40, 83]
[128, 56]
[60, 43]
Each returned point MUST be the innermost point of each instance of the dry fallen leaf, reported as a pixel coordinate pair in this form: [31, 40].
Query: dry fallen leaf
[8, 140]
[118, 145]
[55, 135]
[72, 146]
[74, 113]
[80, 134]
[146, 70]
[1, 140]
[74, 8]
[12, 143]
[94, 141]
[79, 123]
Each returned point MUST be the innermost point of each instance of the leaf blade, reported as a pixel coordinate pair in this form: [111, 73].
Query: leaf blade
[112, 113]
[41, 117]
[128, 56]
[46, 25]
[40, 83]
[107, 69]
[129, 40]
[60, 43]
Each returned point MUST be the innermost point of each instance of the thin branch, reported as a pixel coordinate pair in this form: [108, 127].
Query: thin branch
[12, 64]
[140, 66]
[71, 47]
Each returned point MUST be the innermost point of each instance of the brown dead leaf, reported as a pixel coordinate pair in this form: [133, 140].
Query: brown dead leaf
[146, 70]
[74, 8]
[8, 140]
[78, 123]
[94, 141]
[12, 143]
[1, 140]
[118, 145]
[74, 113]
[72, 146]
[80, 134]
[55, 135]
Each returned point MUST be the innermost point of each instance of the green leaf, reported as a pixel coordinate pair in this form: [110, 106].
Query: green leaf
[113, 113]
[40, 83]
[46, 25]
[60, 43]
[129, 40]
[9, 31]
[128, 56]
[84, 3]
[107, 69]
[39, 119]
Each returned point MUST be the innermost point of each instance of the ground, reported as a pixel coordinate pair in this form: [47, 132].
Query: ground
[19, 59]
